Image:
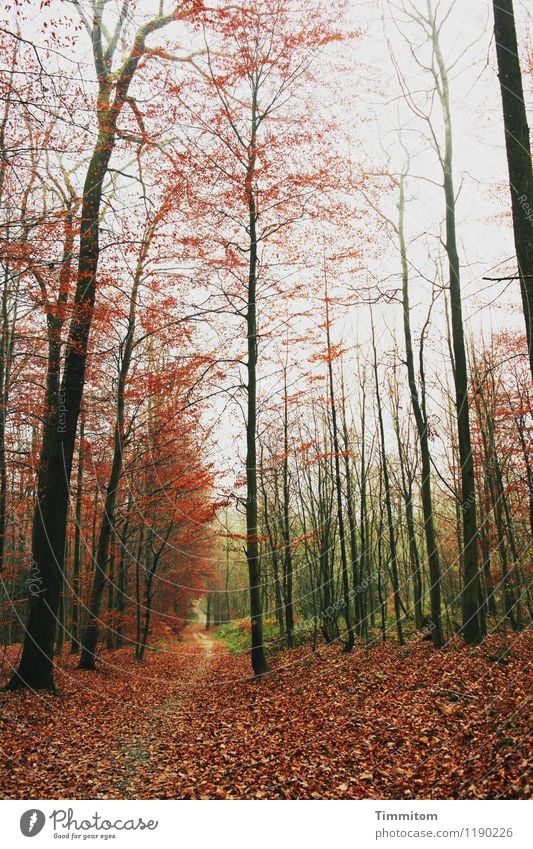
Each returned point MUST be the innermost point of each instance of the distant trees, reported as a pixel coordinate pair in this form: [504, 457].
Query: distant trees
[415, 368]
[391, 585]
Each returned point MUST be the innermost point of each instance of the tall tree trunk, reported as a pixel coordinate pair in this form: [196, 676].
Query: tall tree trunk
[149, 581]
[259, 663]
[381, 566]
[62, 403]
[123, 574]
[7, 327]
[280, 607]
[518, 154]
[364, 538]
[485, 541]
[414, 556]
[140, 548]
[110, 626]
[472, 626]
[354, 554]
[141, 647]
[6, 356]
[419, 413]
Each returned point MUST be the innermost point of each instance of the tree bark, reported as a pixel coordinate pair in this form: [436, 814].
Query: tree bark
[472, 626]
[76, 567]
[388, 505]
[90, 634]
[350, 639]
[518, 149]
[420, 417]
[259, 663]
[287, 553]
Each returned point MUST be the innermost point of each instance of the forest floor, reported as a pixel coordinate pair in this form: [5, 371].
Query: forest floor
[384, 722]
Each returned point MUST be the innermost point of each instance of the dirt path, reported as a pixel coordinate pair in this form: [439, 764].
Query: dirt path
[135, 756]
[197, 611]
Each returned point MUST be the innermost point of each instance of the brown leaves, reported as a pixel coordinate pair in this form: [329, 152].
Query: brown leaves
[190, 724]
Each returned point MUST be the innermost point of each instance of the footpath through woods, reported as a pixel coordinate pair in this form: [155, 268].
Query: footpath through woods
[385, 722]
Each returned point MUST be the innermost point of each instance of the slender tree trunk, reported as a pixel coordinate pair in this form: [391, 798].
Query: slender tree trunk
[8, 323]
[123, 574]
[138, 567]
[141, 647]
[414, 557]
[6, 354]
[280, 607]
[110, 627]
[259, 663]
[90, 634]
[381, 567]
[350, 640]
[472, 626]
[149, 595]
[388, 503]
[107, 526]
[420, 417]
[364, 540]
[76, 568]
[354, 554]
[485, 543]
[287, 552]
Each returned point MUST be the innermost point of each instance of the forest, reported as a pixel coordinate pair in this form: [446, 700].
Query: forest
[266, 349]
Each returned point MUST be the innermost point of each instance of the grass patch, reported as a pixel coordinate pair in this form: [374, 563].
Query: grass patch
[237, 637]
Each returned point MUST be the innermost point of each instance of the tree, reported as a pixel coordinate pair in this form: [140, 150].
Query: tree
[120, 438]
[417, 392]
[518, 150]
[472, 629]
[431, 27]
[421, 420]
[349, 644]
[265, 164]
[388, 501]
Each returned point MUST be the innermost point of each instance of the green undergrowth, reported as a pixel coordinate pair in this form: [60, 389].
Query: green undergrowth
[236, 635]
